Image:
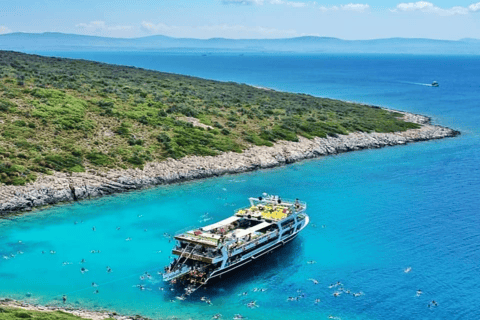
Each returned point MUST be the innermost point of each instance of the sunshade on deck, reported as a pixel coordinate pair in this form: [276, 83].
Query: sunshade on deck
[221, 223]
[243, 232]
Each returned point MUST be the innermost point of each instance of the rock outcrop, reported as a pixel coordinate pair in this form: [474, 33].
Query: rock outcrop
[86, 314]
[62, 187]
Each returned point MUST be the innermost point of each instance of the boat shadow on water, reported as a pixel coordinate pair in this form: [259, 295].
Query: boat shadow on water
[272, 265]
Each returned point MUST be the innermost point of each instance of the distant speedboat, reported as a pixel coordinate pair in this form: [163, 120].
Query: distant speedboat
[435, 84]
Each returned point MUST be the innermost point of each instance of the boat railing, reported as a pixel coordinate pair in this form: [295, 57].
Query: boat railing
[184, 230]
[287, 202]
[174, 274]
[253, 240]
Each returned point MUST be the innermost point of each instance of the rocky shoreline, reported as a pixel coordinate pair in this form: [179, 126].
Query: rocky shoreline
[94, 315]
[65, 187]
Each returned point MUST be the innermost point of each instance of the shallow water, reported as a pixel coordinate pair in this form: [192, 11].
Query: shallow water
[373, 213]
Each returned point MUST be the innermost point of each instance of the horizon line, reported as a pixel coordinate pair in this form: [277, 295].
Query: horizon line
[234, 39]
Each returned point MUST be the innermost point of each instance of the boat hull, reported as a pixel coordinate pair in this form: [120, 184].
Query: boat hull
[226, 271]
[223, 272]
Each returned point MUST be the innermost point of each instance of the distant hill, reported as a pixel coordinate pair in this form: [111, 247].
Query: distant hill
[31, 42]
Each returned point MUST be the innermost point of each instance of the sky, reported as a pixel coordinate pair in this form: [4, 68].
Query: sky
[245, 19]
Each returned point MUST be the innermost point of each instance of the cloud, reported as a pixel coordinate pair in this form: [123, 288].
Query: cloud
[474, 7]
[4, 30]
[294, 4]
[357, 7]
[242, 2]
[94, 26]
[222, 30]
[428, 7]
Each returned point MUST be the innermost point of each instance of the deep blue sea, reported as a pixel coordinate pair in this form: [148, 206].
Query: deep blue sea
[374, 213]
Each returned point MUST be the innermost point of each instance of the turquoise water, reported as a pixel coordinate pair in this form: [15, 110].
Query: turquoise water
[373, 213]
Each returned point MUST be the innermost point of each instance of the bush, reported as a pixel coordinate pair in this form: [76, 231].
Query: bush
[61, 162]
[99, 159]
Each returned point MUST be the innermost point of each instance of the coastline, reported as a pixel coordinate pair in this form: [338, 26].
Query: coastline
[65, 187]
[85, 314]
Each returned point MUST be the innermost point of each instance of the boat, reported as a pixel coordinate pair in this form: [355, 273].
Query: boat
[212, 251]
[435, 84]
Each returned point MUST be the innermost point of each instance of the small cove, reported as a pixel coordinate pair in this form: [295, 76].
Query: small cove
[383, 210]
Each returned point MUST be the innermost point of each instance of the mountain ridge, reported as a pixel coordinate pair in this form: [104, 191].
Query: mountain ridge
[56, 41]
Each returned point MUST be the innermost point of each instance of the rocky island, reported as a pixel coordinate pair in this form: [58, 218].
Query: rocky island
[73, 129]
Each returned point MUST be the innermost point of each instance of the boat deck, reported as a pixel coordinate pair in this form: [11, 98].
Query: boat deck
[270, 212]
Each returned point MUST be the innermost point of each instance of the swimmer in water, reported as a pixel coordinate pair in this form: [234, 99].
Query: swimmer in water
[314, 281]
[93, 228]
[337, 294]
[407, 270]
[96, 291]
[128, 239]
[317, 300]
[83, 270]
[94, 284]
[82, 261]
[311, 262]
[118, 228]
[109, 269]
[217, 316]
[419, 292]
[64, 298]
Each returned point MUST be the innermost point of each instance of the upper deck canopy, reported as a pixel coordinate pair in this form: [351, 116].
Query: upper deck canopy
[240, 233]
[222, 223]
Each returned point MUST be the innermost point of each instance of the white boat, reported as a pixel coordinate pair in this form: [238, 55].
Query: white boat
[214, 250]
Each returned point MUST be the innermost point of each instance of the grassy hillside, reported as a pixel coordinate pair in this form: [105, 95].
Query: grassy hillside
[7, 313]
[69, 115]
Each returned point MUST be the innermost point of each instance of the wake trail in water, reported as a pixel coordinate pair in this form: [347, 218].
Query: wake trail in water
[417, 83]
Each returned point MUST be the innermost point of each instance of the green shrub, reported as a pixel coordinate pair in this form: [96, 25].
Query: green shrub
[20, 123]
[63, 161]
[99, 159]
[22, 315]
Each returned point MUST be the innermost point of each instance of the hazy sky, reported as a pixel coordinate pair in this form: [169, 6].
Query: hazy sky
[369, 19]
